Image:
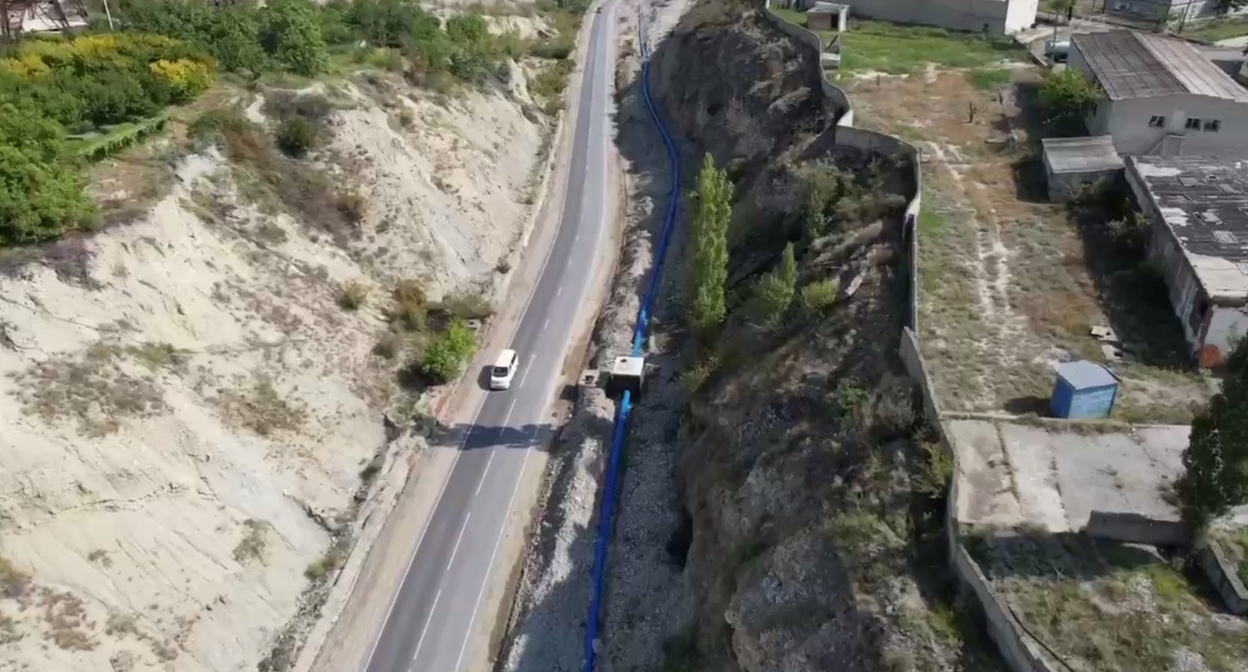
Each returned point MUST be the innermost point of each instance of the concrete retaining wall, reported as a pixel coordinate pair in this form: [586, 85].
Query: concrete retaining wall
[1133, 528]
[1224, 577]
[1004, 629]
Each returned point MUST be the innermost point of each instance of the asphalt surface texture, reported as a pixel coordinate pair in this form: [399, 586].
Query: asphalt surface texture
[430, 623]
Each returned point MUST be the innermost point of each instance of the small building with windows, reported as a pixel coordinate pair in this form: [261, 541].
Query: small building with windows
[1161, 96]
[1198, 209]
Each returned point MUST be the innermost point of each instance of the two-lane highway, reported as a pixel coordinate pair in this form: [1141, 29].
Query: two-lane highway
[430, 622]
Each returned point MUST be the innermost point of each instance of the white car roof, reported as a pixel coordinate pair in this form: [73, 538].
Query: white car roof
[504, 358]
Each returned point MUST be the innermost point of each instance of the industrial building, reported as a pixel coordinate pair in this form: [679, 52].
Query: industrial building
[1162, 96]
[1074, 164]
[990, 17]
[1198, 207]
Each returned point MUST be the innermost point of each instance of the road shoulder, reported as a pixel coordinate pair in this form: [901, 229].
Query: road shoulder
[373, 574]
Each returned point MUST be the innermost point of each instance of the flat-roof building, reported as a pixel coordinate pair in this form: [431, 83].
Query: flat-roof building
[1199, 212]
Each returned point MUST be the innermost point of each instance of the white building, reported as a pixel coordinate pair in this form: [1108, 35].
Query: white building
[1161, 96]
[1173, 12]
[1199, 212]
[991, 17]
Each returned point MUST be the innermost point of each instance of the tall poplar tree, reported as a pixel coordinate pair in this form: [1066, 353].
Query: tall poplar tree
[706, 266]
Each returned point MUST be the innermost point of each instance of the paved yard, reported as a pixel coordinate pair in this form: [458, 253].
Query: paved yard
[1017, 475]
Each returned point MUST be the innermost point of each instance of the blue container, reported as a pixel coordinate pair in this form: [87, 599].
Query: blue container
[1084, 390]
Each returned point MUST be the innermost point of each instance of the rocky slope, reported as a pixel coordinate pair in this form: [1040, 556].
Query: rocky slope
[780, 509]
[191, 422]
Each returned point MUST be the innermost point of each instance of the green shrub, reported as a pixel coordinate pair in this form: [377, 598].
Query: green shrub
[296, 136]
[447, 354]
[818, 296]
[290, 32]
[774, 292]
[41, 190]
[1067, 98]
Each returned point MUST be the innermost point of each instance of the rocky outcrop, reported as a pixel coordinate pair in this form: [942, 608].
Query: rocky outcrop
[810, 538]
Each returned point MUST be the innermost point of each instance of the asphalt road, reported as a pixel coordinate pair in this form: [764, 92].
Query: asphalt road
[430, 622]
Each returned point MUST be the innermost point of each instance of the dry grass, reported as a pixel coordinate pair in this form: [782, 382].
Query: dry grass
[276, 182]
[68, 626]
[96, 389]
[129, 183]
[254, 542]
[261, 409]
[352, 295]
[1009, 283]
[1109, 606]
[14, 583]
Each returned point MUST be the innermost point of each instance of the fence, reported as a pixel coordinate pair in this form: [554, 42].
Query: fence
[1005, 630]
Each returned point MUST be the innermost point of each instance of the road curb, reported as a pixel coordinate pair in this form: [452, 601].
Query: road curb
[352, 571]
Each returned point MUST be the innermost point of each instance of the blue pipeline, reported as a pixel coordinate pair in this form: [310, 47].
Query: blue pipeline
[605, 517]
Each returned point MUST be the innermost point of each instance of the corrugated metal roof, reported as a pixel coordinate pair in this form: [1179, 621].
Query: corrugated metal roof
[1085, 375]
[1081, 155]
[1128, 64]
[1204, 201]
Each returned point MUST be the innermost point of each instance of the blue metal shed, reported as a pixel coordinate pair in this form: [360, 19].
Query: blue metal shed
[1084, 390]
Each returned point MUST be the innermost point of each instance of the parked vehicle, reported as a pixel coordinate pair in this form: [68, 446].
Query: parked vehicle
[1057, 50]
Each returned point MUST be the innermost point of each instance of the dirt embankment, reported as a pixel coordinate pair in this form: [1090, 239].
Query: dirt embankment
[779, 509]
[198, 404]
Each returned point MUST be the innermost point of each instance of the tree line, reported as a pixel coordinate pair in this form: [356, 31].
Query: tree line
[58, 92]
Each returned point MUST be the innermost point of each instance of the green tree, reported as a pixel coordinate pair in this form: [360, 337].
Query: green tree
[231, 35]
[707, 263]
[1060, 7]
[1215, 462]
[814, 222]
[1067, 98]
[774, 293]
[291, 33]
[447, 354]
[41, 191]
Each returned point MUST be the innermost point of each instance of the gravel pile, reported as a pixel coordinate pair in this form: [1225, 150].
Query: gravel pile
[548, 636]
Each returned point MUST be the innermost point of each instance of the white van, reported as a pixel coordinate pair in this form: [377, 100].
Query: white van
[504, 370]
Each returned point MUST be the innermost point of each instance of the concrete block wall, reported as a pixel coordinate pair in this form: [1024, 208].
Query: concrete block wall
[1224, 577]
[999, 620]
[1133, 528]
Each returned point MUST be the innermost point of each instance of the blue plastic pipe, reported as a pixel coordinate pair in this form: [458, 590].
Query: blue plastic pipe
[605, 516]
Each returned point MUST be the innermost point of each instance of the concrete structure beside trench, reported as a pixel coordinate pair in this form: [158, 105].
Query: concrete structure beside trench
[1108, 483]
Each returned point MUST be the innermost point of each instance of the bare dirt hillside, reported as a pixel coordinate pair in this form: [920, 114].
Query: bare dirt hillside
[199, 402]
